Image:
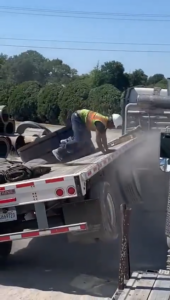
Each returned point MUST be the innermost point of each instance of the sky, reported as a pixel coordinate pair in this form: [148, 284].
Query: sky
[60, 32]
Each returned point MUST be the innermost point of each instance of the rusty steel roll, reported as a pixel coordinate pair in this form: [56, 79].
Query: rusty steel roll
[4, 116]
[9, 127]
[34, 132]
[4, 147]
[17, 141]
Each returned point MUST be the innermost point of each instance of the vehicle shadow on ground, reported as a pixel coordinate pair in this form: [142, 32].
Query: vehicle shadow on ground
[51, 264]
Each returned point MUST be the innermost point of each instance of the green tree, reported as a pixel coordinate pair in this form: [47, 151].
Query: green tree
[138, 78]
[73, 97]
[23, 101]
[162, 84]
[155, 79]
[84, 78]
[97, 77]
[113, 73]
[3, 59]
[105, 99]
[6, 90]
[27, 66]
[48, 108]
[60, 72]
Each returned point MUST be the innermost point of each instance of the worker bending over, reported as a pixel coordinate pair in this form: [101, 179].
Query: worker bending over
[83, 122]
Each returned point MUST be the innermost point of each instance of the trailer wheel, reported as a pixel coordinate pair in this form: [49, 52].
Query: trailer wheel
[109, 230]
[5, 249]
[130, 187]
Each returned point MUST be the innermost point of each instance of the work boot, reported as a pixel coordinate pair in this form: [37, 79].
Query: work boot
[60, 154]
[66, 140]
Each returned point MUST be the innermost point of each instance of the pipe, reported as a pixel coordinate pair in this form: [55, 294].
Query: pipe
[29, 139]
[17, 142]
[2, 127]
[34, 132]
[10, 127]
[4, 117]
[29, 124]
[149, 102]
[4, 147]
[168, 86]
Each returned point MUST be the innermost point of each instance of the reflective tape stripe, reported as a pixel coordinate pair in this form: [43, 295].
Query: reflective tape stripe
[38, 233]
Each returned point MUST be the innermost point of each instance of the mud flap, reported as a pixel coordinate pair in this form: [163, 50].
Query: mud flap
[86, 211]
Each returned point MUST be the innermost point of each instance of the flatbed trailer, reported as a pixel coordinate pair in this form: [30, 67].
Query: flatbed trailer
[64, 201]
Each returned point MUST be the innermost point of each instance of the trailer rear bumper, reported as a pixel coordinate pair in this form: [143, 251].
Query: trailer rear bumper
[39, 233]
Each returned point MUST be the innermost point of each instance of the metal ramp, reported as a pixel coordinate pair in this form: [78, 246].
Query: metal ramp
[149, 285]
[146, 286]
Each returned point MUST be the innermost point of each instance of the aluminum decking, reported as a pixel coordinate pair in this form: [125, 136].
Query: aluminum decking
[76, 166]
[146, 286]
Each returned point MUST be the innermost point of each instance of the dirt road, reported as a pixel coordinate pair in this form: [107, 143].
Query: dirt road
[51, 269]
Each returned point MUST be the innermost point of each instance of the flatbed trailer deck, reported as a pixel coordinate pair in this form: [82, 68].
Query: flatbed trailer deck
[67, 177]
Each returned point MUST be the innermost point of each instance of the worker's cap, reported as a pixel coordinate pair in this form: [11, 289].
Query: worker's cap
[117, 120]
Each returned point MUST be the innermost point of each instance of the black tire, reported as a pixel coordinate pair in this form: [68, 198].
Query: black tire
[129, 186]
[5, 249]
[109, 230]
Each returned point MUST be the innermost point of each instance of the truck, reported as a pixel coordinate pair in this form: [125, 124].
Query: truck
[82, 198]
[64, 201]
[133, 114]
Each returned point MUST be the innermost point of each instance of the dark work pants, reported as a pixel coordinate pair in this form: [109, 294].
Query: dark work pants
[81, 134]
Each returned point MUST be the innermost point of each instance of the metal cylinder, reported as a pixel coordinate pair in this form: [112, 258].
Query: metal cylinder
[29, 124]
[29, 139]
[2, 127]
[34, 132]
[4, 116]
[10, 127]
[9, 140]
[147, 101]
[4, 147]
[17, 142]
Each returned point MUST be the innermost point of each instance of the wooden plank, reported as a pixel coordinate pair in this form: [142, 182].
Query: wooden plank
[129, 286]
[161, 289]
[144, 287]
